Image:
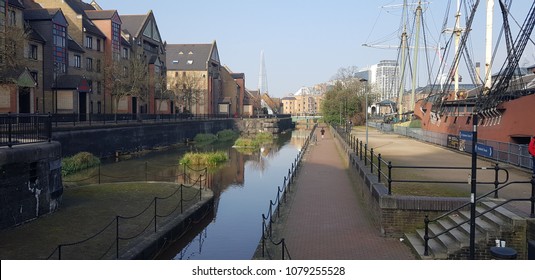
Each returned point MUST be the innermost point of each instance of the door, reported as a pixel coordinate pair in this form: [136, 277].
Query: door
[82, 110]
[24, 100]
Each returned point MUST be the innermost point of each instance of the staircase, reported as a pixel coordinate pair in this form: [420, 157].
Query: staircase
[488, 227]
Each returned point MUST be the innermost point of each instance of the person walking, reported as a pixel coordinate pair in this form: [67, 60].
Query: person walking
[322, 132]
[531, 149]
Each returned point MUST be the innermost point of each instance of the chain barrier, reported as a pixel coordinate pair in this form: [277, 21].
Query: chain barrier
[275, 206]
[129, 228]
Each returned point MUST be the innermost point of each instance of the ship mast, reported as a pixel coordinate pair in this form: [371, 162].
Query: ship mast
[417, 46]
[488, 46]
[403, 61]
[458, 32]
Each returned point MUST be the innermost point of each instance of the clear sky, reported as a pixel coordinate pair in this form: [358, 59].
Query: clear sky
[304, 41]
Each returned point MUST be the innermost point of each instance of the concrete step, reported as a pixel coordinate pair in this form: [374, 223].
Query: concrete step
[417, 244]
[501, 211]
[489, 217]
[445, 239]
[460, 237]
[481, 224]
[436, 249]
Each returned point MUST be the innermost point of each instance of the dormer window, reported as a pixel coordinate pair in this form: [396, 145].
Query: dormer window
[175, 61]
[190, 62]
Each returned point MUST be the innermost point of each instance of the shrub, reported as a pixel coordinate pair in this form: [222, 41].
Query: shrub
[78, 162]
[245, 142]
[204, 159]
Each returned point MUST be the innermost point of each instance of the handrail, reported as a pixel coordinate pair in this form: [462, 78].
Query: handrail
[427, 220]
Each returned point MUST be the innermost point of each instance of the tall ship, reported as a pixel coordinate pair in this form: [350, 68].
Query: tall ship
[502, 104]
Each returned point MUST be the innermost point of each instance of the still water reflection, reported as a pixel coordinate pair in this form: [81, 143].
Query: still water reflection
[246, 184]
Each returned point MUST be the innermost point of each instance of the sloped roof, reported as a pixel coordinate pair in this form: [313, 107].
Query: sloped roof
[73, 46]
[79, 6]
[133, 23]
[91, 28]
[100, 15]
[40, 14]
[36, 36]
[16, 3]
[187, 57]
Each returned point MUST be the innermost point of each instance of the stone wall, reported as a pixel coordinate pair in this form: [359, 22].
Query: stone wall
[30, 182]
[253, 126]
[106, 141]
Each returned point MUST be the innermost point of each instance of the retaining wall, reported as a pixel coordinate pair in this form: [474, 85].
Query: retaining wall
[30, 182]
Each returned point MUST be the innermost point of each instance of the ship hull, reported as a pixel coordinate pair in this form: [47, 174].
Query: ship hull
[516, 125]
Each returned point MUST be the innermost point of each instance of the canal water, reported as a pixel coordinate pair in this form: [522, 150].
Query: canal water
[235, 231]
[243, 188]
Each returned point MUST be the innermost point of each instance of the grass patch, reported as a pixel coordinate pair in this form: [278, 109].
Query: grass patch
[87, 210]
[78, 162]
[209, 159]
[258, 140]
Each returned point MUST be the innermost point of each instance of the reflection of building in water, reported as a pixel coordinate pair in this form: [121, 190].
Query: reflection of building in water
[232, 173]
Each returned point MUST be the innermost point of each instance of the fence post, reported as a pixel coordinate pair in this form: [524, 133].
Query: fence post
[181, 199]
[200, 188]
[263, 234]
[361, 150]
[379, 159]
[155, 209]
[426, 236]
[49, 127]
[496, 182]
[389, 178]
[9, 130]
[59, 251]
[371, 160]
[117, 236]
[532, 215]
[99, 173]
[146, 171]
[365, 154]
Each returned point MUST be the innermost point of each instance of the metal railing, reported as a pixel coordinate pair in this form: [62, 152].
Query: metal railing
[122, 229]
[275, 207]
[427, 221]
[18, 129]
[510, 153]
[384, 169]
[361, 152]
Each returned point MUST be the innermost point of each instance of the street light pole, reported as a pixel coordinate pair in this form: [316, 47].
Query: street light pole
[473, 188]
[366, 112]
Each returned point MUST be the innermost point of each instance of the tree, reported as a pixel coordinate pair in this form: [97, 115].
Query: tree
[161, 90]
[346, 100]
[12, 61]
[187, 90]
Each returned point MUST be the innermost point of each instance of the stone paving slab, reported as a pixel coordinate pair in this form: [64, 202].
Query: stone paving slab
[326, 219]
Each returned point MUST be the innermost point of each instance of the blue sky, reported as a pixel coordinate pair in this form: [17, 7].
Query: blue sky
[304, 41]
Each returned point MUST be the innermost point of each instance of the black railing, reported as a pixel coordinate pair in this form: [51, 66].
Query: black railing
[427, 221]
[384, 169]
[361, 152]
[122, 229]
[275, 207]
[18, 129]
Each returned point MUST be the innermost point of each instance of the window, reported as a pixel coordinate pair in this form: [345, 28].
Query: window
[60, 51]
[89, 64]
[190, 62]
[116, 39]
[99, 65]
[98, 44]
[33, 52]
[12, 18]
[77, 61]
[35, 76]
[125, 53]
[99, 87]
[89, 42]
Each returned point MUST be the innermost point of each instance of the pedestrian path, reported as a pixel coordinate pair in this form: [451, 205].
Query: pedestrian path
[326, 221]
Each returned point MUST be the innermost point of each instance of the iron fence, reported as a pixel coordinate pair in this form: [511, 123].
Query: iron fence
[17, 129]
[514, 154]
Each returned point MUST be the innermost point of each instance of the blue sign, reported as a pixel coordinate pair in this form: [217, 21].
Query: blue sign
[465, 135]
[484, 150]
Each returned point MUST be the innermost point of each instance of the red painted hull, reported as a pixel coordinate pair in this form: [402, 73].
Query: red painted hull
[518, 121]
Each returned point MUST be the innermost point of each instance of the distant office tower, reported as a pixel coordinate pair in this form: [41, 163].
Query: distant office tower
[262, 79]
[387, 79]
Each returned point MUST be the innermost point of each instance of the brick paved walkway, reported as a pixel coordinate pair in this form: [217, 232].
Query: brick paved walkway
[326, 219]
